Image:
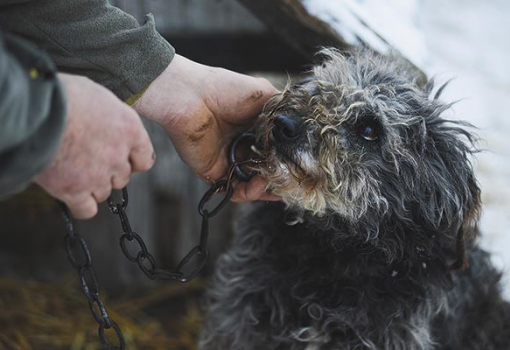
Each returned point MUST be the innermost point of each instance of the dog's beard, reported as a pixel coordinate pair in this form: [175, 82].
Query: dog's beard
[315, 174]
[307, 184]
[295, 178]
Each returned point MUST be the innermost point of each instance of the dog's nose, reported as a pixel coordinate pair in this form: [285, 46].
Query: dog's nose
[285, 128]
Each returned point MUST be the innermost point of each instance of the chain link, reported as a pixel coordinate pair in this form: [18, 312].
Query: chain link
[80, 258]
[75, 246]
[145, 259]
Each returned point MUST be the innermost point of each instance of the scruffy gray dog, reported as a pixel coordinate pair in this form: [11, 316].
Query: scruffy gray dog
[374, 244]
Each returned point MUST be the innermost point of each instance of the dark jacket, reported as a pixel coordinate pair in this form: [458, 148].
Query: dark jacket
[86, 37]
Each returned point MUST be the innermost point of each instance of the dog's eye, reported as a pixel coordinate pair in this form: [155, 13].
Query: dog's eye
[369, 132]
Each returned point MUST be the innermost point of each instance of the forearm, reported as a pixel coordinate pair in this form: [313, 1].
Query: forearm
[32, 113]
[92, 38]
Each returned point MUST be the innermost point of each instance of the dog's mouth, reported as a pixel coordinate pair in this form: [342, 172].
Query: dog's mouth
[250, 155]
[245, 156]
[289, 168]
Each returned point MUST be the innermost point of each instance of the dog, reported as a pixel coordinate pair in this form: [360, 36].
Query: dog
[374, 244]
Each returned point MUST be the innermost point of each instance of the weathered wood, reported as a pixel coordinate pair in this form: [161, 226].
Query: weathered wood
[306, 32]
[290, 20]
[192, 17]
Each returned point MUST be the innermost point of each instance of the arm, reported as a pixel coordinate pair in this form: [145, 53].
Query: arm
[104, 141]
[202, 108]
[94, 39]
[46, 138]
[90, 37]
[32, 113]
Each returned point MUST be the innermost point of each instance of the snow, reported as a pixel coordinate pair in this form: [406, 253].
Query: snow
[467, 40]
[350, 19]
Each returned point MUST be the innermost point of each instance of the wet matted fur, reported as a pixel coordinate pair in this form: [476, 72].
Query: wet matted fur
[374, 245]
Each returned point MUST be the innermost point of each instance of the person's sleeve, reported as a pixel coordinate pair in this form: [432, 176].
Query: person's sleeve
[95, 39]
[32, 113]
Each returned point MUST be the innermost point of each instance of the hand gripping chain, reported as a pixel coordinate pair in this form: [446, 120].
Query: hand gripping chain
[76, 246]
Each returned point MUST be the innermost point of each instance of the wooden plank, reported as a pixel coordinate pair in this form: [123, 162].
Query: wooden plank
[189, 17]
[290, 20]
[306, 32]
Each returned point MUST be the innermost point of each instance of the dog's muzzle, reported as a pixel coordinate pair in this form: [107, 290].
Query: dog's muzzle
[286, 129]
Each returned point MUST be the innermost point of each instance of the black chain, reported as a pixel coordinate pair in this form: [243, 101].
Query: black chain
[143, 257]
[75, 246]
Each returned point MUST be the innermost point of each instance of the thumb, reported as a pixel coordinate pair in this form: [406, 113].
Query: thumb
[242, 99]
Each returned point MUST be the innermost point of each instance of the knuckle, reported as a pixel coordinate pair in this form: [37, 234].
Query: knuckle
[89, 212]
[83, 210]
[73, 183]
[146, 163]
[131, 124]
[266, 85]
[141, 141]
[102, 195]
[124, 182]
[143, 158]
[120, 181]
[263, 82]
[143, 137]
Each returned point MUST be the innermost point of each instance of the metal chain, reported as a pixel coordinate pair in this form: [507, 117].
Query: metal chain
[75, 245]
[145, 259]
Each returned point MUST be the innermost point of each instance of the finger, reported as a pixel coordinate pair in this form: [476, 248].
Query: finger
[142, 156]
[82, 207]
[269, 197]
[217, 169]
[253, 190]
[201, 143]
[102, 194]
[118, 182]
[121, 177]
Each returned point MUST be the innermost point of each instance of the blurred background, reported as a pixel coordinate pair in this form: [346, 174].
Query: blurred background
[466, 40]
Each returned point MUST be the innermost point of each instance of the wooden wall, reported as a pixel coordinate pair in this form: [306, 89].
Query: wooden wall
[191, 17]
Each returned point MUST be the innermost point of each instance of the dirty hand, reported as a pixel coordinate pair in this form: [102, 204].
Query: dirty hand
[202, 108]
[103, 143]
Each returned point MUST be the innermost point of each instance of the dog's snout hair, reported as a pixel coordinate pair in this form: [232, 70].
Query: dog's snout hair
[369, 248]
[338, 167]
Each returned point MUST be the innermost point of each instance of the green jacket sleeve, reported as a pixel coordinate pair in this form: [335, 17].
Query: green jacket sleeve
[32, 113]
[92, 38]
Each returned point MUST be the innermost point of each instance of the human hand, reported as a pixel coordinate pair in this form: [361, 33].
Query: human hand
[103, 143]
[202, 108]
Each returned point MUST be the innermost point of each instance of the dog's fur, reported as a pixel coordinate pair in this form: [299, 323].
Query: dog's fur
[369, 248]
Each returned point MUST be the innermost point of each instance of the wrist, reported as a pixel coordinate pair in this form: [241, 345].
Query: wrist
[174, 91]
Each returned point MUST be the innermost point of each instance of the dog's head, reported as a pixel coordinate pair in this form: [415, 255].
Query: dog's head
[363, 140]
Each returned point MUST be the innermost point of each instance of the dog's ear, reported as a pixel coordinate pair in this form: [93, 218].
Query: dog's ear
[452, 205]
[467, 232]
